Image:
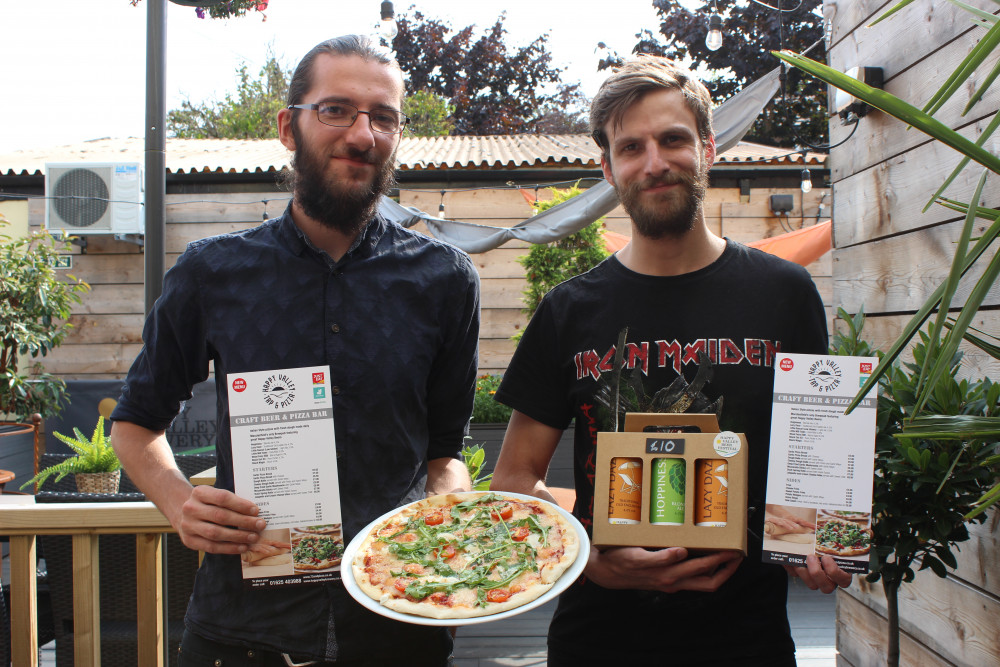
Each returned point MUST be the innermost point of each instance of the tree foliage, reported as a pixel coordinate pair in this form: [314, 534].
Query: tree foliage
[249, 113]
[495, 88]
[751, 31]
[430, 114]
[226, 8]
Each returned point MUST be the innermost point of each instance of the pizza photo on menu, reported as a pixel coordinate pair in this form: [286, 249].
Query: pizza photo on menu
[840, 537]
[316, 551]
[465, 555]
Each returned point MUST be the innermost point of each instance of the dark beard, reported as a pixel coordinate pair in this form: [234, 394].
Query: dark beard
[330, 203]
[674, 217]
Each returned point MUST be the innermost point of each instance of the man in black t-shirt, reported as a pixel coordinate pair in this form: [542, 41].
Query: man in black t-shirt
[681, 290]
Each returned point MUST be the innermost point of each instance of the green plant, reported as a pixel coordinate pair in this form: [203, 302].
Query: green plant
[475, 457]
[34, 306]
[547, 265]
[485, 409]
[927, 478]
[93, 455]
[968, 251]
[430, 114]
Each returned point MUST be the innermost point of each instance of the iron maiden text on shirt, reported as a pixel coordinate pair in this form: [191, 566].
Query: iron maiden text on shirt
[663, 353]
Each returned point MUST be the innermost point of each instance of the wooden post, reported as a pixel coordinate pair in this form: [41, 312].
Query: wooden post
[86, 601]
[149, 602]
[23, 606]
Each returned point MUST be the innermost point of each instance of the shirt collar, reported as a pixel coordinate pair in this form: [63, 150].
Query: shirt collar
[364, 244]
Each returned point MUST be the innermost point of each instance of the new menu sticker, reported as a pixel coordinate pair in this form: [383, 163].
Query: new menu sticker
[822, 461]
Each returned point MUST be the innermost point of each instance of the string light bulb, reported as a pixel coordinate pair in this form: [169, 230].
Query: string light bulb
[807, 183]
[441, 206]
[713, 40]
[387, 26]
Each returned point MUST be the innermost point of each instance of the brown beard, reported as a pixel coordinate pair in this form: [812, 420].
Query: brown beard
[331, 203]
[673, 216]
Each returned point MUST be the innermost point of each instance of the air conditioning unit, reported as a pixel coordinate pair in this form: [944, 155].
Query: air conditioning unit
[94, 198]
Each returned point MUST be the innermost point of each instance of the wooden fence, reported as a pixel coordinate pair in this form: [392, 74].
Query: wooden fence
[889, 257]
[108, 324]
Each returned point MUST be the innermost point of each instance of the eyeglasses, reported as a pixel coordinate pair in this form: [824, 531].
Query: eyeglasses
[339, 114]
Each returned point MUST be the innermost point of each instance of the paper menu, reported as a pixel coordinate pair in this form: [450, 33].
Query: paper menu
[821, 462]
[285, 461]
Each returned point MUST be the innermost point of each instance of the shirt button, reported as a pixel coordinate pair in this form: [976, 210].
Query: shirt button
[335, 328]
[335, 390]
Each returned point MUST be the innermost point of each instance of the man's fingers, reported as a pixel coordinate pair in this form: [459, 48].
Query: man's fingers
[833, 571]
[210, 495]
[706, 573]
[824, 574]
[218, 521]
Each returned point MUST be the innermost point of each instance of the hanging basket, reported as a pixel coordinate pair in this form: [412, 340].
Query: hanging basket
[98, 482]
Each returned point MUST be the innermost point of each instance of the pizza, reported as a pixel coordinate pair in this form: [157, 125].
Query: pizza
[465, 555]
[838, 537]
[316, 552]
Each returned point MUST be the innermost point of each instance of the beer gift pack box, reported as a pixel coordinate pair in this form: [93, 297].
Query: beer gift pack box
[642, 471]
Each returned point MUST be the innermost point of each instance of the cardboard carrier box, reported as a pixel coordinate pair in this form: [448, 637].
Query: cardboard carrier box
[671, 480]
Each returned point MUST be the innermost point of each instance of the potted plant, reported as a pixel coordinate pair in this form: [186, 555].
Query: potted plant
[35, 304]
[96, 466]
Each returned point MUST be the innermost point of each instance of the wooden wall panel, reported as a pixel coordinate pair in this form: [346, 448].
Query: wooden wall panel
[82, 361]
[977, 559]
[89, 329]
[889, 258]
[898, 274]
[501, 323]
[109, 321]
[948, 616]
[925, 25]
[879, 135]
[889, 198]
[861, 639]
[882, 330]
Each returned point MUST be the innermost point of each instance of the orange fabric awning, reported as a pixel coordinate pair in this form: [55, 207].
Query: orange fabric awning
[802, 246]
[614, 241]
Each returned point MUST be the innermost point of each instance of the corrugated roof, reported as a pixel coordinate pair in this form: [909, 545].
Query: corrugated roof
[236, 156]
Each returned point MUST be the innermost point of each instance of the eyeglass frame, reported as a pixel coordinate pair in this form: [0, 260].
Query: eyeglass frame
[358, 112]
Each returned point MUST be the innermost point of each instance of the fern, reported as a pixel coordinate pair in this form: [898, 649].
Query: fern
[92, 455]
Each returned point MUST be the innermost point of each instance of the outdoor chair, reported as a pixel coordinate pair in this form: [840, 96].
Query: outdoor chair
[119, 632]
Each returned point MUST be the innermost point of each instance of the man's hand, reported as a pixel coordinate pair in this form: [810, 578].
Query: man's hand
[789, 525]
[668, 570]
[218, 521]
[823, 574]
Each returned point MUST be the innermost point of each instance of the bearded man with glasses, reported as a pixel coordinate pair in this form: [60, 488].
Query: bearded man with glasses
[394, 314]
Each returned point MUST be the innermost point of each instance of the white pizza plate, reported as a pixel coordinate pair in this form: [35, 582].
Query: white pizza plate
[568, 577]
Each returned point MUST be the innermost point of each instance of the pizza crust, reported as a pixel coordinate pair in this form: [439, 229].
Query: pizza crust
[372, 556]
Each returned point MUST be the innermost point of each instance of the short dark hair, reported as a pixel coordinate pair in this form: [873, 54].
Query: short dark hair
[346, 45]
[636, 78]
